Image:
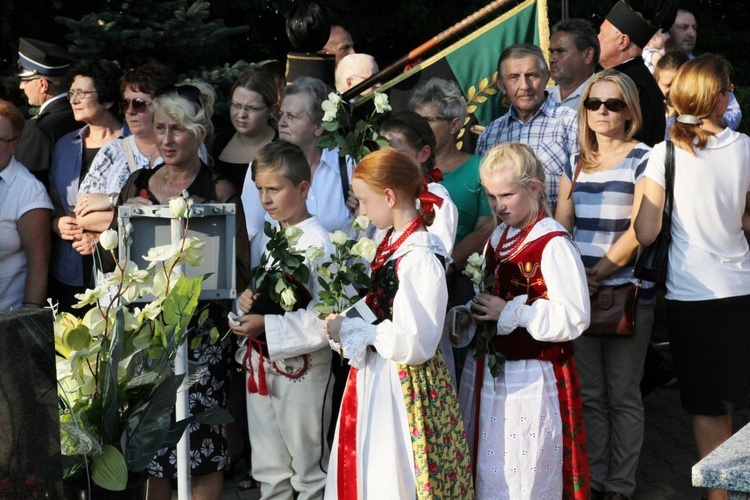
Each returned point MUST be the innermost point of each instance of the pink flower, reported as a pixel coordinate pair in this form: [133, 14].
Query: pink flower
[427, 431]
[453, 476]
[446, 439]
[463, 490]
[427, 486]
[414, 394]
[415, 432]
[433, 394]
[459, 456]
[453, 420]
[402, 375]
[433, 468]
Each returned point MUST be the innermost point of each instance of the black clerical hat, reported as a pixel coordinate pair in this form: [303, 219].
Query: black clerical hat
[641, 19]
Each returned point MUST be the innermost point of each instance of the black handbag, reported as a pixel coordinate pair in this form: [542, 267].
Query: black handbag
[653, 260]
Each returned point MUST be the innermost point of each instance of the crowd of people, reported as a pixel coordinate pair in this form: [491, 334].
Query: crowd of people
[556, 200]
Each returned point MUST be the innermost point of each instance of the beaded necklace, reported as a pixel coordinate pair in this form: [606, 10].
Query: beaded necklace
[385, 249]
[508, 246]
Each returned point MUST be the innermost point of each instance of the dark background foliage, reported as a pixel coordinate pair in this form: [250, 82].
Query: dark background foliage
[216, 39]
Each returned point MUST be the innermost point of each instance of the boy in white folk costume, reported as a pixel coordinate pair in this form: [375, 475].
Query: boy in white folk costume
[288, 425]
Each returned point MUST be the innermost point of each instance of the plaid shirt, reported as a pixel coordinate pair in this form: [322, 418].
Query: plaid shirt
[552, 133]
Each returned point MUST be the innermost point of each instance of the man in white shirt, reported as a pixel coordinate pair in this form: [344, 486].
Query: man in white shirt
[573, 54]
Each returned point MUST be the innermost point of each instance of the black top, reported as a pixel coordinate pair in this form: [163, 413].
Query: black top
[652, 101]
[40, 134]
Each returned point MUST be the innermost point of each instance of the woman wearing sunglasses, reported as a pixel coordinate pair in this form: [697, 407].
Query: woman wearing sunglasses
[599, 197]
[119, 158]
[182, 123]
[93, 96]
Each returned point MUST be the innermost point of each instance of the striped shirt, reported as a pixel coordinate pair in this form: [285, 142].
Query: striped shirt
[552, 133]
[603, 205]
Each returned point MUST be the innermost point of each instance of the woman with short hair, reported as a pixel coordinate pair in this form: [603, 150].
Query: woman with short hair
[93, 96]
[182, 123]
[301, 123]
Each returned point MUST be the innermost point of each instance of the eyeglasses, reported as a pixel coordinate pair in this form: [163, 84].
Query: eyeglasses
[8, 141]
[237, 107]
[80, 94]
[188, 92]
[139, 105]
[593, 104]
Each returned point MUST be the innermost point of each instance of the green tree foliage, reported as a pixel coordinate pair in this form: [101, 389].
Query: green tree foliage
[180, 33]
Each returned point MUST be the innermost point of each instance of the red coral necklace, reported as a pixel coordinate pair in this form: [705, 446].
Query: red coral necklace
[508, 246]
[385, 249]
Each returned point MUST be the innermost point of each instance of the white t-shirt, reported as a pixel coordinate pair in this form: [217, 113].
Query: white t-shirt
[709, 256]
[20, 192]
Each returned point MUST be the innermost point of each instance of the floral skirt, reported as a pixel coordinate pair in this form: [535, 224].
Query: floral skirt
[210, 369]
[441, 455]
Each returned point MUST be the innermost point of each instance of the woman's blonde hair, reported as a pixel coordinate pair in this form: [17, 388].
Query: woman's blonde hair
[517, 163]
[588, 145]
[194, 115]
[695, 89]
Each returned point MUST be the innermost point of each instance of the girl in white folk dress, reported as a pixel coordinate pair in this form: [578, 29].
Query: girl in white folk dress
[399, 433]
[524, 427]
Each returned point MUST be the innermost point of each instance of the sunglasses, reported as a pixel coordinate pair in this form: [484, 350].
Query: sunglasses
[139, 105]
[593, 104]
[187, 92]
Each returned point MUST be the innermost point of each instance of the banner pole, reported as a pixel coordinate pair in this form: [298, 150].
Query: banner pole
[422, 49]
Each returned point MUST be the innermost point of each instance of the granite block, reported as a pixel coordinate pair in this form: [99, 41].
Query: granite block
[30, 461]
[728, 466]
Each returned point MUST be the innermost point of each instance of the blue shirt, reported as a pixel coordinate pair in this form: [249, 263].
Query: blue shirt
[552, 133]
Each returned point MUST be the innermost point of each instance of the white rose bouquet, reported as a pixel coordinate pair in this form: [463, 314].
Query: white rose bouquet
[353, 136]
[346, 269]
[282, 273]
[486, 330]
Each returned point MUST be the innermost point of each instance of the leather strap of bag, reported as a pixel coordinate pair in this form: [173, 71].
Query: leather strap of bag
[669, 174]
[132, 165]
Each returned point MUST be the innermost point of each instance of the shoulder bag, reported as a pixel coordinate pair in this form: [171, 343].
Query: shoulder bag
[653, 260]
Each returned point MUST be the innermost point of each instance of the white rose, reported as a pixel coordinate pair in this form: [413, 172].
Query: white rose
[361, 223]
[338, 238]
[475, 260]
[109, 239]
[288, 299]
[330, 110]
[334, 98]
[477, 277]
[178, 206]
[292, 234]
[313, 253]
[381, 103]
[365, 248]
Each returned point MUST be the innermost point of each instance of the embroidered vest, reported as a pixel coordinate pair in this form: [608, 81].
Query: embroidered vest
[522, 275]
[380, 299]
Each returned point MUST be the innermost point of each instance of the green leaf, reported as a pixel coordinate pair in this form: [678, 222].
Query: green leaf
[108, 379]
[109, 470]
[331, 126]
[195, 343]
[203, 317]
[213, 335]
[148, 425]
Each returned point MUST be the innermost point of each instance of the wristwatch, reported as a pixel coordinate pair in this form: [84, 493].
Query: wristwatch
[113, 200]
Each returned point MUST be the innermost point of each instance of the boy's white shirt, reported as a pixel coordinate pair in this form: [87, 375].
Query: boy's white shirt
[297, 332]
